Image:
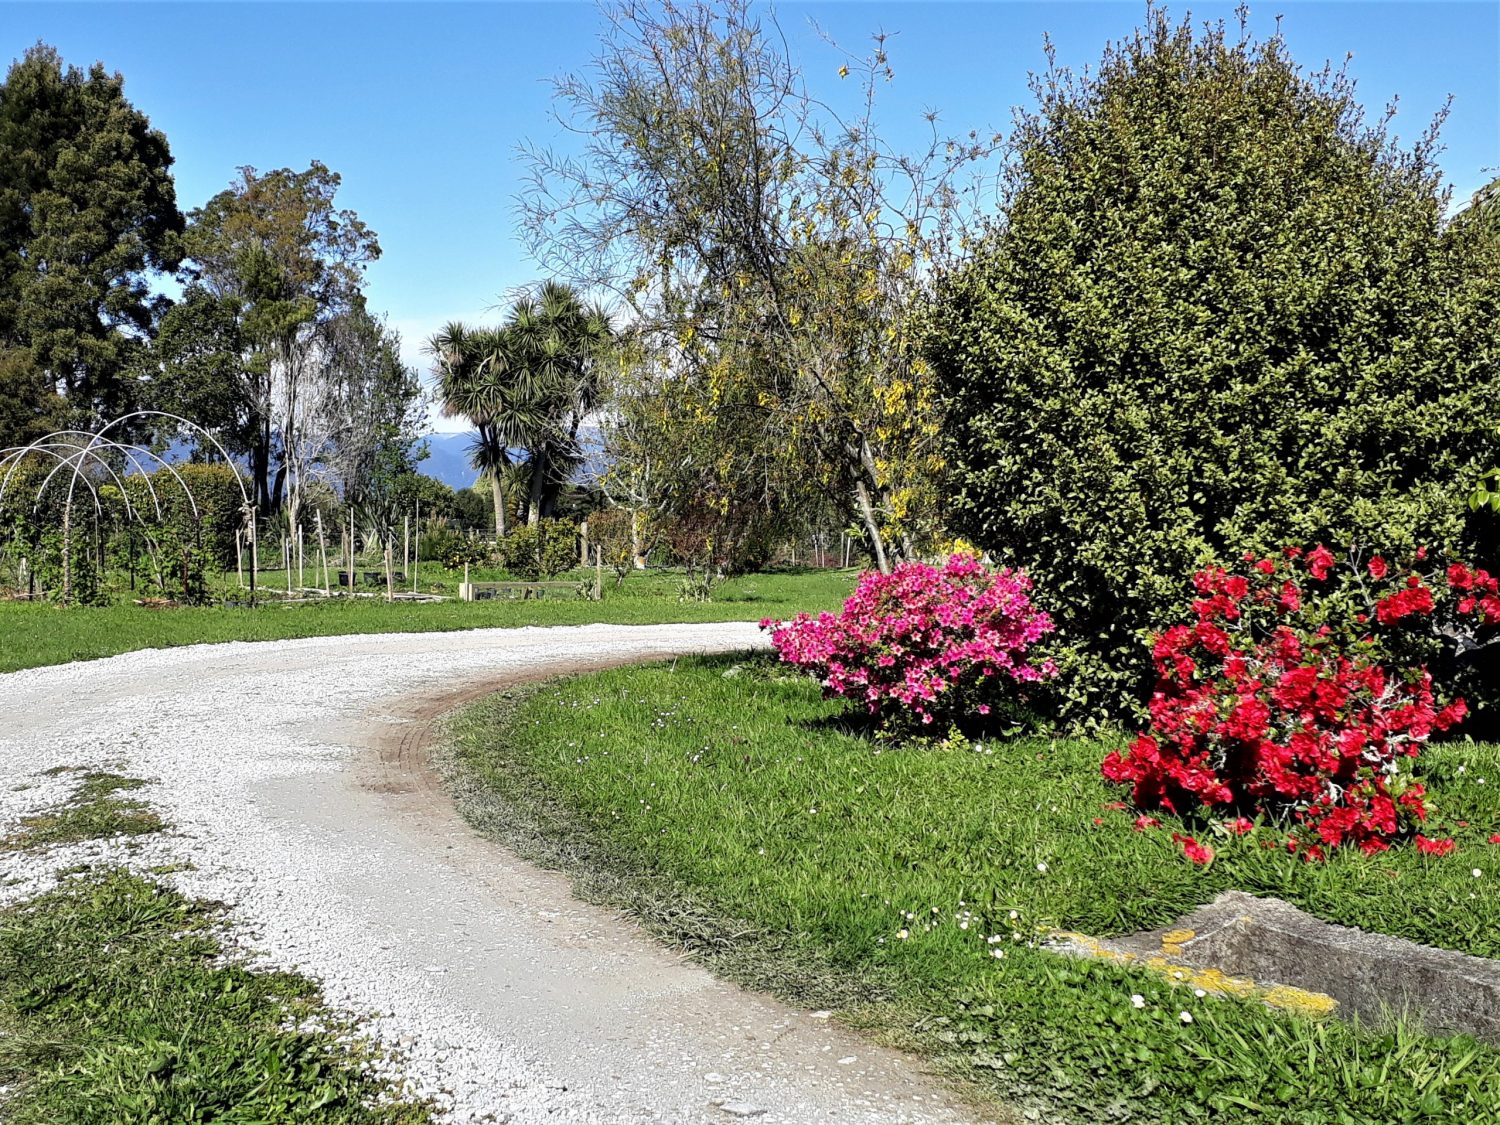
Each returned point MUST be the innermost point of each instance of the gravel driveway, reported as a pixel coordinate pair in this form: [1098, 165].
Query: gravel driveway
[293, 778]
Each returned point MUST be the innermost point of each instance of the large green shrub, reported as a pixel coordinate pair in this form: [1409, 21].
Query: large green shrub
[541, 550]
[163, 503]
[1221, 312]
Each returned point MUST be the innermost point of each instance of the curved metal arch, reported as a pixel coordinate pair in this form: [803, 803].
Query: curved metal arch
[87, 449]
[61, 461]
[91, 454]
[17, 454]
[196, 428]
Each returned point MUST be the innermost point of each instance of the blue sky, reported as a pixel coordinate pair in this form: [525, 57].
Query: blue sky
[421, 107]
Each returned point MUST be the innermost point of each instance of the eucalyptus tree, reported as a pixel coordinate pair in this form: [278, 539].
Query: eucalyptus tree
[285, 266]
[365, 407]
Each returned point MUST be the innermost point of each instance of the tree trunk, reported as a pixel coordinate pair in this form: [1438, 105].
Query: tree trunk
[538, 482]
[497, 496]
[637, 556]
[866, 478]
[278, 487]
[260, 471]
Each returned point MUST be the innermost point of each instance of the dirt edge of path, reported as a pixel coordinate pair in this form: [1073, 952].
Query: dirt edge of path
[406, 772]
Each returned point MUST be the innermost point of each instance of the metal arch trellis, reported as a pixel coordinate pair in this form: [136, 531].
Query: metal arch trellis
[71, 452]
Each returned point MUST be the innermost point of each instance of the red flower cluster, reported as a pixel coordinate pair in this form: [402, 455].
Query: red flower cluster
[1195, 851]
[1281, 700]
[1479, 592]
[923, 640]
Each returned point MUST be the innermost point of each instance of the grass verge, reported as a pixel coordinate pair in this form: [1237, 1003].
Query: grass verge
[727, 806]
[33, 635]
[94, 811]
[119, 1007]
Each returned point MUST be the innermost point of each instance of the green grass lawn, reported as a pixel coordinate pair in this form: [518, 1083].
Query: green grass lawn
[120, 1004]
[720, 802]
[117, 1007]
[34, 635]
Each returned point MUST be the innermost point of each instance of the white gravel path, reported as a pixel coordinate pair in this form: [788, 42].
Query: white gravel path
[509, 1000]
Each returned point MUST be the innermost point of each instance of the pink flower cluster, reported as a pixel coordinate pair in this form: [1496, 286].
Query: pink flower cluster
[922, 640]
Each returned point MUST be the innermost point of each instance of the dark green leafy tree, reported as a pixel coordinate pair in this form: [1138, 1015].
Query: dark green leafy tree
[1222, 311]
[201, 354]
[88, 215]
[30, 406]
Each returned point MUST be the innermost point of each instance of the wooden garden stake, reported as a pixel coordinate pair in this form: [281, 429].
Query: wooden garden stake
[416, 555]
[390, 578]
[323, 552]
[598, 573]
[239, 555]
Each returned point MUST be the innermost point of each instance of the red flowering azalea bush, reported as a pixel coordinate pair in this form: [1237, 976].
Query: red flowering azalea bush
[922, 641]
[1300, 692]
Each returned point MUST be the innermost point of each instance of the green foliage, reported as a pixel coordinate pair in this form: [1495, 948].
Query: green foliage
[1483, 211]
[30, 406]
[276, 268]
[527, 385]
[408, 489]
[770, 250]
[120, 1005]
[80, 578]
[1221, 313]
[457, 551]
[541, 550]
[470, 508]
[1486, 493]
[205, 368]
[88, 213]
[208, 518]
[726, 805]
[95, 811]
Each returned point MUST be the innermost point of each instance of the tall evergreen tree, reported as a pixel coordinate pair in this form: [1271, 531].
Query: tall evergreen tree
[88, 213]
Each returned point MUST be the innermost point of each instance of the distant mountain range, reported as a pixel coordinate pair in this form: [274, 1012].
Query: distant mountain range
[447, 457]
[447, 460]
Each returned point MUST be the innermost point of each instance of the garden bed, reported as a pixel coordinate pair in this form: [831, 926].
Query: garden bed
[734, 811]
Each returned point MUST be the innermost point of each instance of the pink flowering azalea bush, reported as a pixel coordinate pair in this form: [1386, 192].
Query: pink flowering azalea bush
[923, 641]
[1299, 692]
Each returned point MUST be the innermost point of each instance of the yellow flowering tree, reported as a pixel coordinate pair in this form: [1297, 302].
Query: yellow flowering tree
[770, 252]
